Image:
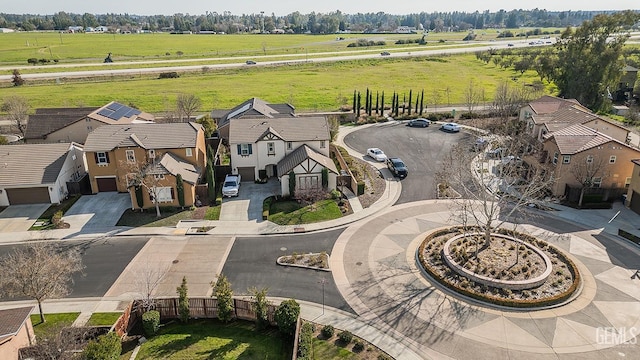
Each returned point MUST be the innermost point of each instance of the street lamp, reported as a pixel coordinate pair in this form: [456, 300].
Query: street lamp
[323, 281]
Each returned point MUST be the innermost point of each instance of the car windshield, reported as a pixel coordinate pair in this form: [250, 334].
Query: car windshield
[377, 151]
[230, 183]
[398, 163]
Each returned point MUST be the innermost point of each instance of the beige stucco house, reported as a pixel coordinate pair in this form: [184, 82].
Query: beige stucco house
[16, 331]
[264, 148]
[633, 194]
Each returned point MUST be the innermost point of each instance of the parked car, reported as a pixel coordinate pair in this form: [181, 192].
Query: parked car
[450, 127]
[250, 62]
[377, 154]
[385, 53]
[419, 122]
[231, 186]
[397, 167]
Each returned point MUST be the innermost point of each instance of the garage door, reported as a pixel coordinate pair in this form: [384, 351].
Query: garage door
[635, 202]
[247, 173]
[106, 184]
[39, 195]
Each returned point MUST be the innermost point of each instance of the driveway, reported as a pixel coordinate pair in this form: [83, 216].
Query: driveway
[99, 211]
[20, 217]
[248, 204]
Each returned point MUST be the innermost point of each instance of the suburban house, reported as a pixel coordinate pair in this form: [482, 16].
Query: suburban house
[253, 108]
[39, 173]
[119, 154]
[633, 195]
[546, 104]
[276, 147]
[73, 125]
[16, 331]
[579, 151]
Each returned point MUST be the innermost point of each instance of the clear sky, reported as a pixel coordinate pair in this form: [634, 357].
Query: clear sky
[284, 7]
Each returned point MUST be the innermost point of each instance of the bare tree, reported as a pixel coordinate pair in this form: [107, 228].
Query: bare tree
[146, 174]
[39, 271]
[508, 99]
[147, 281]
[493, 190]
[311, 195]
[586, 171]
[435, 97]
[471, 97]
[17, 110]
[187, 105]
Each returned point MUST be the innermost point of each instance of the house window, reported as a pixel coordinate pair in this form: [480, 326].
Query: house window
[165, 194]
[555, 158]
[589, 159]
[596, 181]
[102, 158]
[245, 149]
[131, 156]
[308, 182]
[322, 144]
[189, 152]
[271, 148]
[612, 159]
[89, 128]
[566, 159]
[158, 176]
[627, 183]
[152, 154]
[289, 145]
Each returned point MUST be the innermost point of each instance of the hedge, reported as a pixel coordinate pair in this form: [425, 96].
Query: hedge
[150, 322]
[305, 342]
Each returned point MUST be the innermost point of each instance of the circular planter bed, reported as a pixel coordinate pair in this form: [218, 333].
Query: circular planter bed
[513, 270]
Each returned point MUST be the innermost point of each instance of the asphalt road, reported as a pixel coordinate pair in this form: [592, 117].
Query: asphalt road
[421, 149]
[104, 259]
[252, 262]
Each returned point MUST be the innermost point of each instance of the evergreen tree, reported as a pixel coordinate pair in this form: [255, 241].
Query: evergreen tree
[183, 300]
[224, 295]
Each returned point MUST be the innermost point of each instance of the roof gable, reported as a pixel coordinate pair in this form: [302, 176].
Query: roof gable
[46, 121]
[288, 129]
[549, 104]
[147, 136]
[578, 138]
[11, 320]
[257, 108]
[171, 164]
[301, 154]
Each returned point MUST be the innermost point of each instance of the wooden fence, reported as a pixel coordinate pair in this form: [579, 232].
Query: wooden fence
[349, 180]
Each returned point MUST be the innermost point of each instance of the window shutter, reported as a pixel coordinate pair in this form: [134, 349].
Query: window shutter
[239, 149]
[172, 196]
[106, 155]
[95, 155]
[250, 152]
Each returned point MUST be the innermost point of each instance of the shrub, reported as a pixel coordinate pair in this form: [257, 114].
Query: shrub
[150, 322]
[328, 331]
[286, 316]
[168, 75]
[106, 347]
[305, 342]
[358, 346]
[345, 336]
[32, 61]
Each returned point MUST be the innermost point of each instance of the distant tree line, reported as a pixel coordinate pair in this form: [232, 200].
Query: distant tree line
[315, 23]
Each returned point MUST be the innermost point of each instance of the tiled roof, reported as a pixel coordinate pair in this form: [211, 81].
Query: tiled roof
[288, 129]
[45, 121]
[131, 116]
[11, 320]
[548, 104]
[171, 164]
[257, 108]
[32, 164]
[301, 154]
[147, 136]
[568, 116]
[578, 138]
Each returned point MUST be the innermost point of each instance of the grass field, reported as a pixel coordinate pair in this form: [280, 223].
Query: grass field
[210, 339]
[309, 87]
[103, 319]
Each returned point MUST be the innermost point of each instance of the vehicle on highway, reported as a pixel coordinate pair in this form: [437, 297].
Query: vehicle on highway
[385, 53]
[450, 127]
[419, 122]
[377, 154]
[397, 167]
[510, 44]
[231, 186]
[250, 62]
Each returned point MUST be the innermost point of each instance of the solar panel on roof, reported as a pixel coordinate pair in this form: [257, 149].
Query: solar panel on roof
[119, 114]
[116, 111]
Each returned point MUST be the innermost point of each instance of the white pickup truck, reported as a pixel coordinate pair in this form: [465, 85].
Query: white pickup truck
[231, 185]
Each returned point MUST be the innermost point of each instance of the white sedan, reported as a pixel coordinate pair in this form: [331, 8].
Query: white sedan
[377, 154]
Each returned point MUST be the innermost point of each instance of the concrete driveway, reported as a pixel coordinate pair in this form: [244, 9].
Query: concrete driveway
[248, 204]
[99, 211]
[20, 217]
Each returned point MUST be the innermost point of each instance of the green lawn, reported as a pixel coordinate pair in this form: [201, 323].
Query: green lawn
[168, 217]
[48, 214]
[210, 339]
[292, 213]
[103, 319]
[331, 350]
[53, 323]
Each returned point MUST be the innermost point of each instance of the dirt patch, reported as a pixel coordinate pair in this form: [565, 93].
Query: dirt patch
[199, 213]
[374, 184]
